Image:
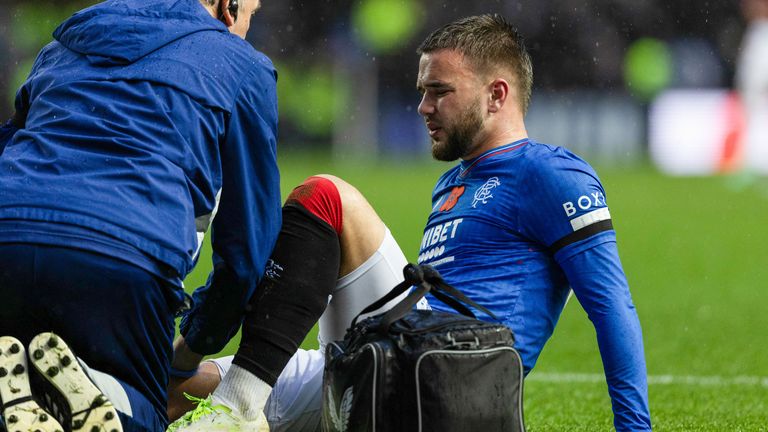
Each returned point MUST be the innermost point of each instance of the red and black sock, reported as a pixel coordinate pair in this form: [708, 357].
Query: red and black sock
[300, 276]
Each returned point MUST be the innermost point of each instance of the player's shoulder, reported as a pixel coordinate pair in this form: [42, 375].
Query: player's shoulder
[549, 161]
[549, 157]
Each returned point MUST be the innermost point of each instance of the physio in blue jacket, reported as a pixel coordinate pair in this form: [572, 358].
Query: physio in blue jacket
[144, 124]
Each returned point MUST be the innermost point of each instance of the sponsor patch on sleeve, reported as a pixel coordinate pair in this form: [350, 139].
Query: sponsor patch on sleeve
[590, 218]
[584, 227]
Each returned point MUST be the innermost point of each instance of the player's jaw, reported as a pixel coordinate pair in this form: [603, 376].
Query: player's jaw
[451, 141]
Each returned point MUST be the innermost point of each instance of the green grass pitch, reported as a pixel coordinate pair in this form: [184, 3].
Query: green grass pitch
[695, 251]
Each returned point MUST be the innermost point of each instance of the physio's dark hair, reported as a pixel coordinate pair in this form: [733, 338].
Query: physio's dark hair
[488, 42]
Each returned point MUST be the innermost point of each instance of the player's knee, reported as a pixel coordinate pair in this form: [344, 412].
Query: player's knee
[336, 202]
[322, 197]
[353, 202]
[349, 195]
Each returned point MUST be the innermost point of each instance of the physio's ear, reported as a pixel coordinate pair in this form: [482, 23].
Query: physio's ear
[225, 12]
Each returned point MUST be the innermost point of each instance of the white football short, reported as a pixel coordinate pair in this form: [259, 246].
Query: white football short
[296, 399]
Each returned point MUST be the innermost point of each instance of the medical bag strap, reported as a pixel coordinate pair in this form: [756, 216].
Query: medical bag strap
[401, 309]
[413, 276]
[406, 305]
[452, 302]
[450, 295]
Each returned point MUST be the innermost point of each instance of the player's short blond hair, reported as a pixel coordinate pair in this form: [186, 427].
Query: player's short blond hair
[489, 42]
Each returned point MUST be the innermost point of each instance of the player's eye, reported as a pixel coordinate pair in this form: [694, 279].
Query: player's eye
[439, 92]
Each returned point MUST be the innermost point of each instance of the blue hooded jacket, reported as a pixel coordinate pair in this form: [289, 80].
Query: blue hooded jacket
[138, 124]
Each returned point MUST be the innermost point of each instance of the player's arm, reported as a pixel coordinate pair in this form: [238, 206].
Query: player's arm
[571, 217]
[246, 225]
[598, 281]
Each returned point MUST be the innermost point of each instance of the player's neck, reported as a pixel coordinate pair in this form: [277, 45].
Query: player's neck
[498, 139]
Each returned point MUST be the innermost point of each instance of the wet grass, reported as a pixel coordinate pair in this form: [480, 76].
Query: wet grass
[695, 251]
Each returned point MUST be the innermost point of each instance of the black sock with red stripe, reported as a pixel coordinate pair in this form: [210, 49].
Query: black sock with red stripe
[300, 276]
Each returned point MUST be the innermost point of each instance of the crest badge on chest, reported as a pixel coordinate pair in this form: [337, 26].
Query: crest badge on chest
[485, 192]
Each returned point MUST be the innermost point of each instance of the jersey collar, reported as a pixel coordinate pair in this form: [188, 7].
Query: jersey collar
[468, 165]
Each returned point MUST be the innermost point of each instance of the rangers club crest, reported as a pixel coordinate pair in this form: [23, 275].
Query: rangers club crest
[453, 198]
[483, 194]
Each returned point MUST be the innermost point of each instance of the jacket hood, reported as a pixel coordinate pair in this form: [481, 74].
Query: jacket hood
[120, 32]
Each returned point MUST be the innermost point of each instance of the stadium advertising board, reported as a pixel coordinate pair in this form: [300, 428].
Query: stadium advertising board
[703, 132]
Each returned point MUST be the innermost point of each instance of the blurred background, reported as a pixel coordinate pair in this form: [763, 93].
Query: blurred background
[347, 67]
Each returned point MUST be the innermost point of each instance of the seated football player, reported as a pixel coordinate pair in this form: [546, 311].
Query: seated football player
[515, 225]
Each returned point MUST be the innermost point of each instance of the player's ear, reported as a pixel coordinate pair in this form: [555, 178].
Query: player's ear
[498, 94]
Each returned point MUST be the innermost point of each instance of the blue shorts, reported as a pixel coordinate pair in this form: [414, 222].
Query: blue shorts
[115, 316]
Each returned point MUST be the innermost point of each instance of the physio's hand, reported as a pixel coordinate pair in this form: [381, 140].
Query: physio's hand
[200, 385]
[184, 359]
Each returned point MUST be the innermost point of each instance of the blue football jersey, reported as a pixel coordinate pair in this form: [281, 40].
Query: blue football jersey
[515, 229]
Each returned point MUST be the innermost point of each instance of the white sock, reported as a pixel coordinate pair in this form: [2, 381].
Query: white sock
[242, 391]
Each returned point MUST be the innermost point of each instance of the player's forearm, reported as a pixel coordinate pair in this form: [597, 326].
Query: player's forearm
[601, 287]
[621, 348]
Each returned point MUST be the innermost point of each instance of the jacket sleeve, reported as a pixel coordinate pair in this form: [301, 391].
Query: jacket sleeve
[17, 122]
[7, 131]
[598, 280]
[248, 220]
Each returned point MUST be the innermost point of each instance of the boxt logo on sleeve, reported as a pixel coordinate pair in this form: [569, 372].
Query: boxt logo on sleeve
[585, 202]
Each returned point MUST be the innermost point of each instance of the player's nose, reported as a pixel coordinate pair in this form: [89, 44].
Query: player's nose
[426, 107]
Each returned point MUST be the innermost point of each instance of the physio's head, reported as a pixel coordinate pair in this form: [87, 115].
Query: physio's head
[755, 9]
[491, 46]
[235, 14]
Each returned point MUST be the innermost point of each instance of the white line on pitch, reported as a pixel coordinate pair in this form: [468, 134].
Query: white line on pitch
[715, 381]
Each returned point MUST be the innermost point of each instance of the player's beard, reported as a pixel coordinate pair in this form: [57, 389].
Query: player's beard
[459, 138]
